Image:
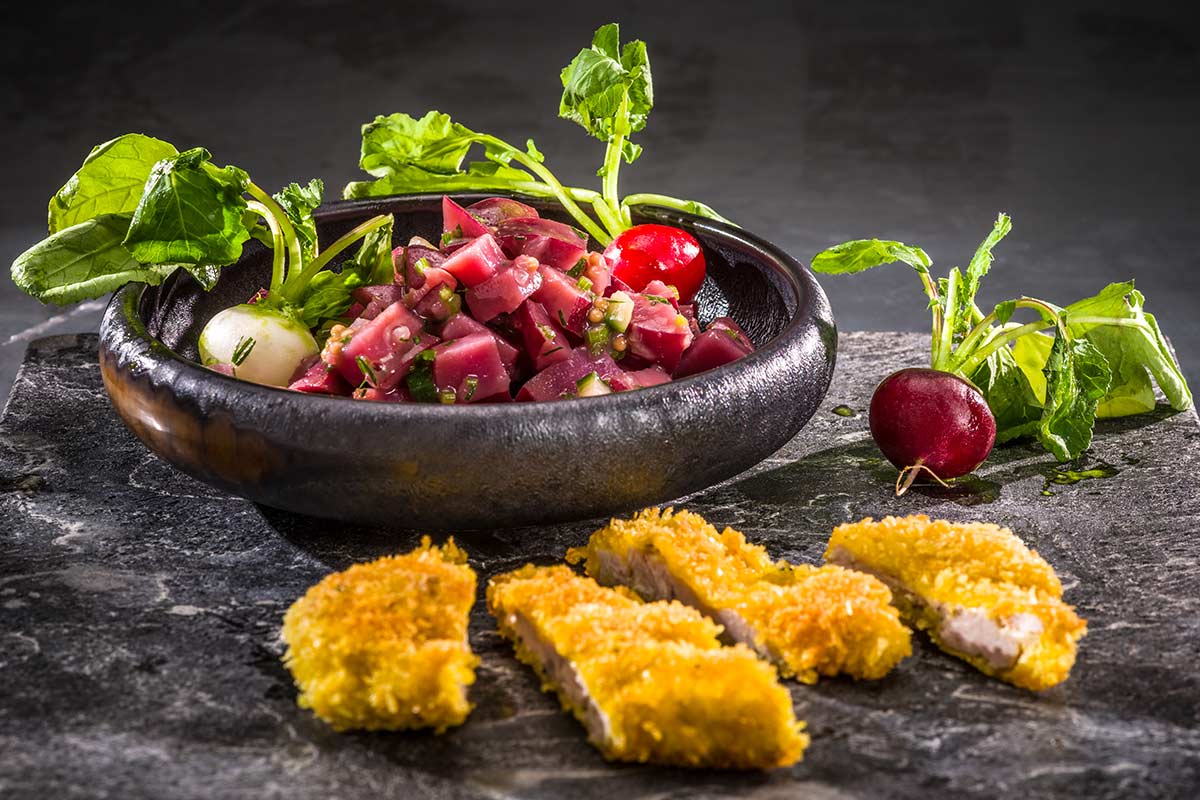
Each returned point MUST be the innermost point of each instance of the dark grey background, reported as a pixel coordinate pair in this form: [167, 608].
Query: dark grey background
[809, 124]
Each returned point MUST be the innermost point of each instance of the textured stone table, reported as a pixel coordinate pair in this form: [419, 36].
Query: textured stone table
[140, 611]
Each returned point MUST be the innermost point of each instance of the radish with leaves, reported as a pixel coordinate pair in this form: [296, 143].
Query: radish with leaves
[138, 210]
[1050, 377]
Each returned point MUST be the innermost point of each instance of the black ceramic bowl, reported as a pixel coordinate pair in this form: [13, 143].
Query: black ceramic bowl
[478, 466]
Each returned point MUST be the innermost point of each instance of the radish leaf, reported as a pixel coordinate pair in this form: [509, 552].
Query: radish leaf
[83, 261]
[110, 180]
[190, 212]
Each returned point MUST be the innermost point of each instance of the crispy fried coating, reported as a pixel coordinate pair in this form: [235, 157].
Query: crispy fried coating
[383, 645]
[808, 620]
[649, 681]
[976, 588]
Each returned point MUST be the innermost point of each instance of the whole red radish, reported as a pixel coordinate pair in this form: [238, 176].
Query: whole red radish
[646, 253]
[926, 419]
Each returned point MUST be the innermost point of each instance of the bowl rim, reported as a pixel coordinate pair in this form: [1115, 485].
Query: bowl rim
[124, 310]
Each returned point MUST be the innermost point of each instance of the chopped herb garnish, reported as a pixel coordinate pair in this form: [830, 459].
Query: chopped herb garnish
[241, 351]
[577, 270]
[470, 384]
[653, 298]
[597, 339]
[547, 332]
[368, 370]
[421, 266]
[452, 236]
[551, 352]
[562, 318]
[732, 335]
[446, 396]
[420, 378]
[584, 283]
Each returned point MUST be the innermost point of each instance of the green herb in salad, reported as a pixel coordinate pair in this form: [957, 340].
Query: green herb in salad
[607, 90]
[1050, 377]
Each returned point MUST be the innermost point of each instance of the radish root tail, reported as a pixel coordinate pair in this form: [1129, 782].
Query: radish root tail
[908, 476]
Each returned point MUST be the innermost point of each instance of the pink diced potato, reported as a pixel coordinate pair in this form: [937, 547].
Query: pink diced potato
[617, 285]
[553, 243]
[650, 376]
[376, 298]
[657, 288]
[562, 378]
[471, 367]
[563, 300]
[431, 280]
[461, 326]
[400, 265]
[476, 262]
[387, 345]
[722, 343]
[457, 220]
[504, 292]
[494, 210]
[657, 333]
[545, 342]
[314, 376]
[419, 250]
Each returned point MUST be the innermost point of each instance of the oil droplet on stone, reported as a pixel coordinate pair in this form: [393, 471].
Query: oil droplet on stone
[1065, 476]
[843, 411]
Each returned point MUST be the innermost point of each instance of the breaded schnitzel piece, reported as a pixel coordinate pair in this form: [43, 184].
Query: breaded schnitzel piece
[976, 588]
[807, 620]
[383, 645]
[649, 681]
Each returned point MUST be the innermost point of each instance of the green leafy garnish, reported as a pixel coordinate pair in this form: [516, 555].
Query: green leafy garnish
[1096, 361]
[138, 209]
[607, 89]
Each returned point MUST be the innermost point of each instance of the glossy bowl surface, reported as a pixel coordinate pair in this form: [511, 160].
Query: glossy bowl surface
[478, 466]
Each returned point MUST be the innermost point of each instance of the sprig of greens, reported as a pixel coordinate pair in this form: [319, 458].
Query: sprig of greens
[607, 90]
[1096, 361]
[138, 209]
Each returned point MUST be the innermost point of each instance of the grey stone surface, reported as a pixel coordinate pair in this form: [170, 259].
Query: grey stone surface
[140, 612]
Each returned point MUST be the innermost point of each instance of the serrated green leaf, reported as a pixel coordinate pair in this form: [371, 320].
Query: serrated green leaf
[1077, 377]
[981, 262]
[299, 202]
[608, 90]
[410, 156]
[110, 181]
[83, 262]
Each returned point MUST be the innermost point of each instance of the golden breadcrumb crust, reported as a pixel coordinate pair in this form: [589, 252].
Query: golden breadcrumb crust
[383, 645]
[974, 565]
[809, 620]
[671, 694]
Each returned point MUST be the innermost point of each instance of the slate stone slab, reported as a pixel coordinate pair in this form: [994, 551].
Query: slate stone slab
[140, 611]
